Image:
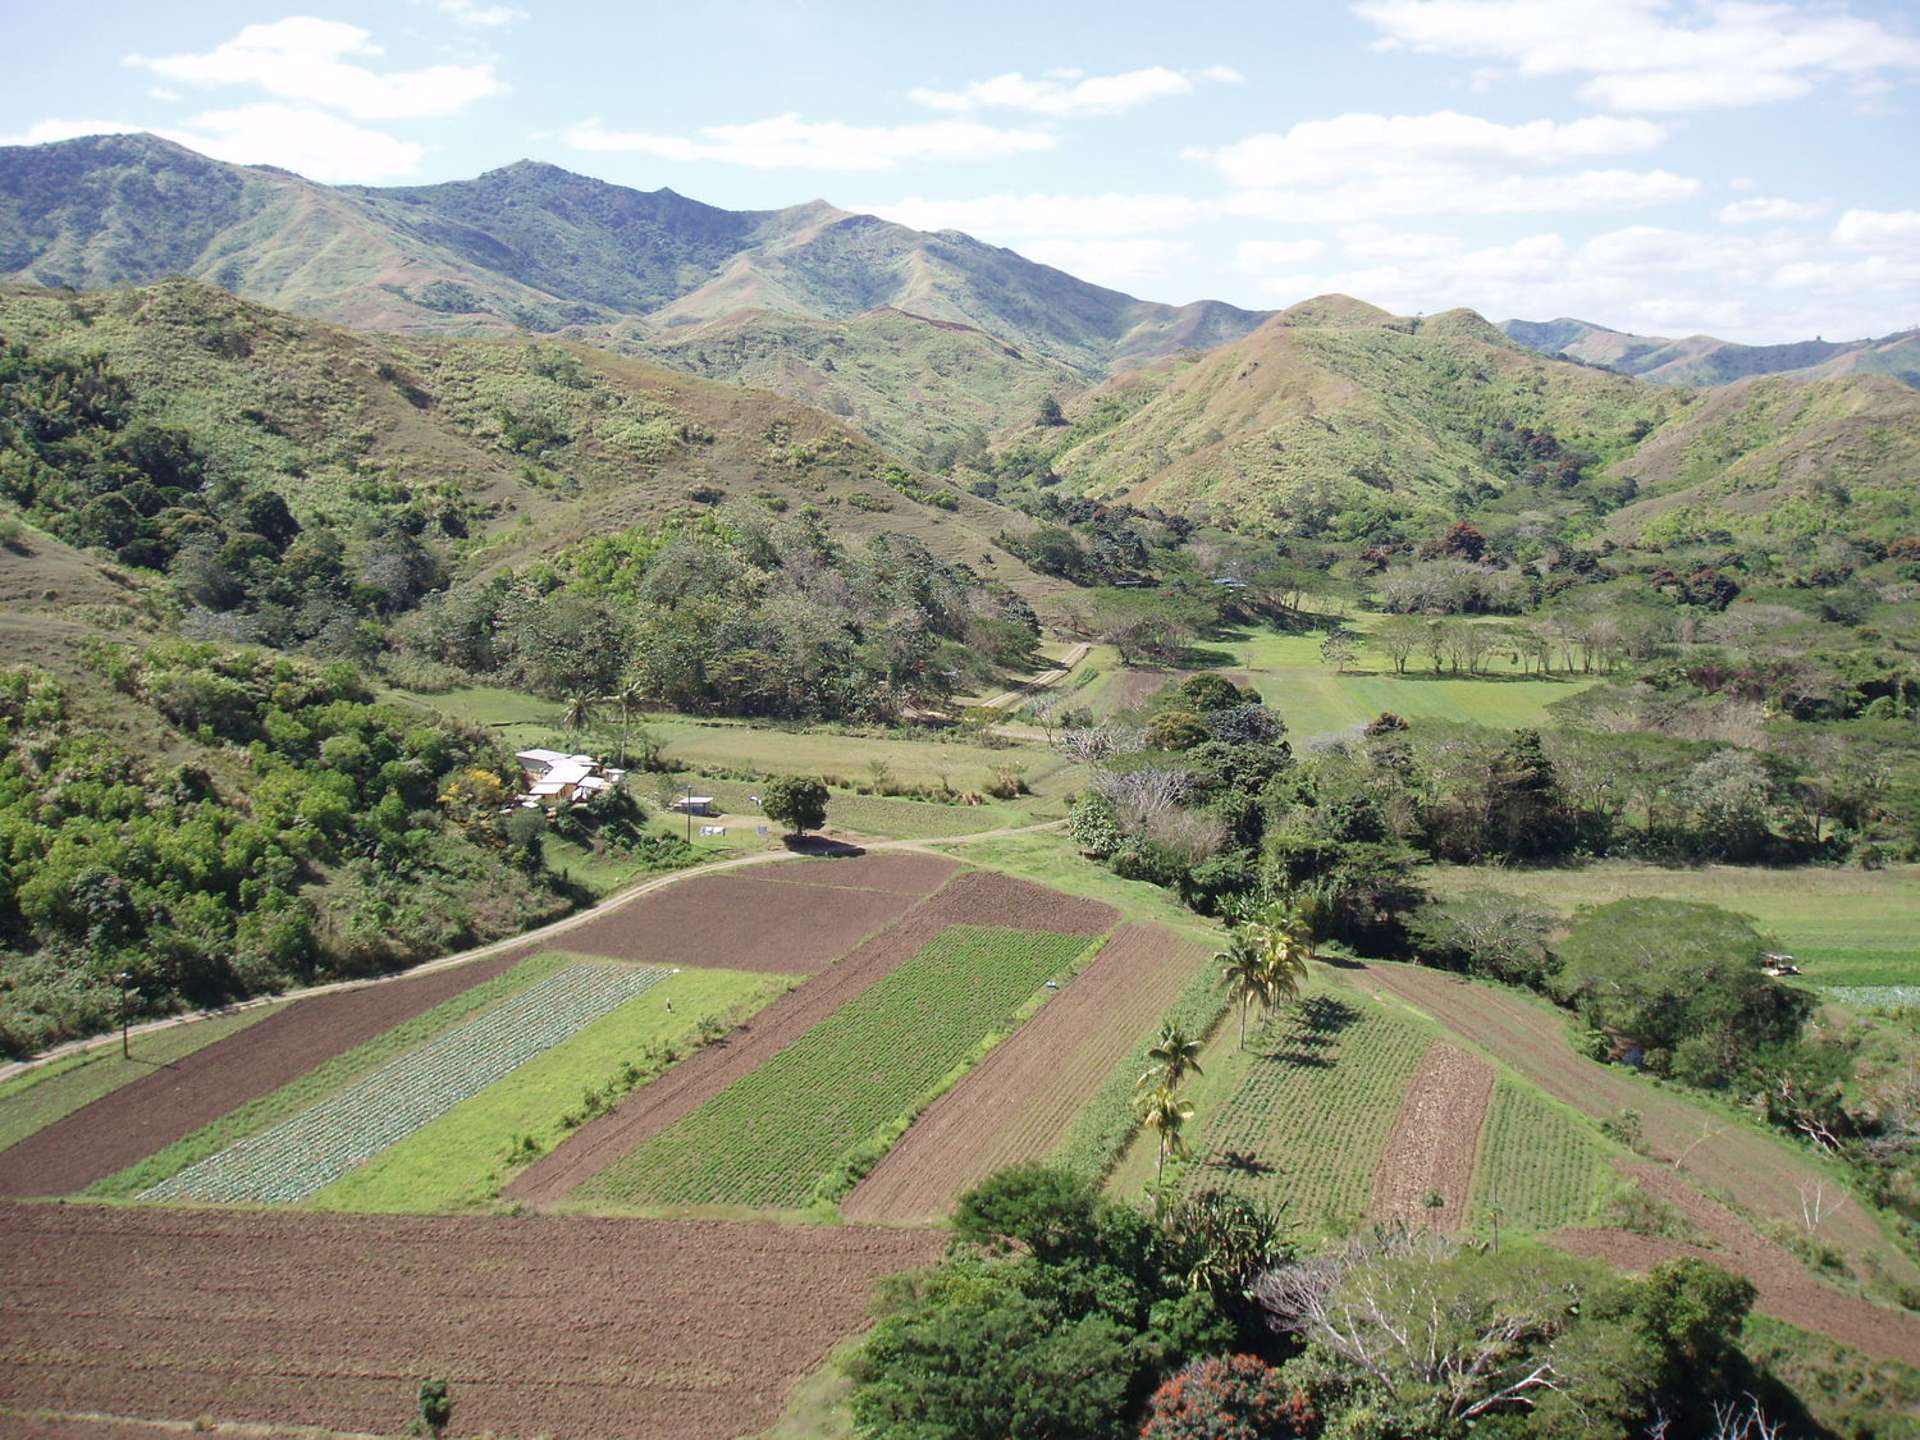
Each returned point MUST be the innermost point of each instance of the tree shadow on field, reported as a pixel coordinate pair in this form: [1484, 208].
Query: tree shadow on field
[1313, 1026]
[1239, 1162]
[822, 846]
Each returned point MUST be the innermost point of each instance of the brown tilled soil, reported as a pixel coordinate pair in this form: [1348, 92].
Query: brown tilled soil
[1435, 1138]
[1785, 1289]
[906, 872]
[1720, 1154]
[565, 1327]
[977, 897]
[742, 922]
[1018, 1103]
[152, 1112]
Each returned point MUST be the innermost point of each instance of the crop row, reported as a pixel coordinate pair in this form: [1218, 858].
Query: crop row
[1538, 1162]
[317, 1146]
[773, 1135]
[1311, 1114]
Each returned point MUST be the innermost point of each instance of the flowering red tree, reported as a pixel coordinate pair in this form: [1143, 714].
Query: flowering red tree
[1235, 1398]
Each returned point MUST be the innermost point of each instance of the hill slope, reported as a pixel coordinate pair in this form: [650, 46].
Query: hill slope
[1703, 360]
[532, 246]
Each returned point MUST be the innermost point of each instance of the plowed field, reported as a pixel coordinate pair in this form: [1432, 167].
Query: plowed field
[975, 897]
[1721, 1153]
[544, 1326]
[1434, 1140]
[1785, 1289]
[1017, 1103]
[151, 1113]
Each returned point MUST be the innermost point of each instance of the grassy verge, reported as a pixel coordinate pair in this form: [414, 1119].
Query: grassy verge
[461, 1160]
[322, 1080]
[33, 1100]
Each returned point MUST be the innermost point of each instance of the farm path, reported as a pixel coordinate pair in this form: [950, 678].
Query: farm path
[1718, 1152]
[1435, 1138]
[524, 943]
[1785, 1290]
[1007, 699]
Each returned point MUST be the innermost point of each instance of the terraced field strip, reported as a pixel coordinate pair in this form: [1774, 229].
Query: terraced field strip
[1436, 1135]
[318, 1146]
[1019, 1102]
[1718, 1150]
[1785, 1290]
[1313, 1100]
[769, 1139]
[138, 1119]
[571, 1327]
[1543, 1166]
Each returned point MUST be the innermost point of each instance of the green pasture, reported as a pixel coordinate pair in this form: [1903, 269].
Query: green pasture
[36, 1098]
[461, 1160]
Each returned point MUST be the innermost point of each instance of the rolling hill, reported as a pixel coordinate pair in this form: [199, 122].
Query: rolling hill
[1703, 360]
[534, 247]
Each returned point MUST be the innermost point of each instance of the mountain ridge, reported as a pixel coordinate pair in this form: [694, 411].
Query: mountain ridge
[1707, 360]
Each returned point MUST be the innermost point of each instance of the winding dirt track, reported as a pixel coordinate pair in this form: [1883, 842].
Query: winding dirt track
[1785, 1290]
[1435, 1139]
[975, 897]
[565, 1327]
[1721, 1154]
[1018, 1103]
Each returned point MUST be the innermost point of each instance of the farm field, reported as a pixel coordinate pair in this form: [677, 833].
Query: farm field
[771, 1138]
[1274, 1121]
[1425, 1174]
[568, 1327]
[1717, 1149]
[457, 1162]
[699, 1078]
[165, 1106]
[1019, 1102]
[1845, 927]
[1543, 1166]
[36, 1098]
[314, 1148]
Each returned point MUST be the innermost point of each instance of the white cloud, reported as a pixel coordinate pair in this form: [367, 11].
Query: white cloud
[307, 141]
[1447, 192]
[1119, 263]
[1255, 256]
[1072, 92]
[310, 60]
[1029, 216]
[1377, 242]
[468, 12]
[1762, 209]
[160, 92]
[1323, 151]
[1880, 229]
[1649, 55]
[788, 142]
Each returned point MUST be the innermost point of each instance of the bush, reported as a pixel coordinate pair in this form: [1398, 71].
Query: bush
[1237, 1397]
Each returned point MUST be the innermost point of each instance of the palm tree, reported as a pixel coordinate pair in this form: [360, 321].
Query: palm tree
[1175, 1055]
[580, 708]
[1244, 973]
[1285, 945]
[628, 697]
[1164, 1113]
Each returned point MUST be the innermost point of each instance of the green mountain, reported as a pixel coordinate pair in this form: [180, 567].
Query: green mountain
[983, 331]
[1703, 360]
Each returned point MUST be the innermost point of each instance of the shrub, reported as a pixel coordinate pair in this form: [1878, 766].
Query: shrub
[1235, 1397]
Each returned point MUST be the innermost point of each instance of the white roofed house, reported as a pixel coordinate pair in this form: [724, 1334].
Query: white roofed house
[551, 778]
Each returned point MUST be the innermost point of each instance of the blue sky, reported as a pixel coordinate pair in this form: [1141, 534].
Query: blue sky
[1741, 167]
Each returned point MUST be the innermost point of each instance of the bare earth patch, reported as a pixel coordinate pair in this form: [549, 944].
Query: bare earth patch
[1434, 1140]
[1018, 1103]
[565, 1327]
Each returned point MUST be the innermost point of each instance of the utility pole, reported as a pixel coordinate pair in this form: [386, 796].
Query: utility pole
[123, 980]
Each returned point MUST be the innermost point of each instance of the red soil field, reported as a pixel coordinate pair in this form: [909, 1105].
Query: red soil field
[1721, 1154]
[976, 897]
[1785, 1290]
[1435, 1137]
[908, 872]
[152, 1112]
[741, 922]
[1018, 1103]
[565, 1327]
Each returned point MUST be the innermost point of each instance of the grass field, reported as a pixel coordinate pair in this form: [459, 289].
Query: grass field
[1301, 1115]
[771, 1138]
[33, 1100]
[460, 1161]
[1850, 928]
[323, 1080]
[1540, 1163]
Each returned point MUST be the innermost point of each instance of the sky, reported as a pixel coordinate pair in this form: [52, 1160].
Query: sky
[1744, 168]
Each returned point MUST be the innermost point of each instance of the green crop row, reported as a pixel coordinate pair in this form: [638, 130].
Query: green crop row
[323, 1080]
[1539, 1162]
[770, 1138]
